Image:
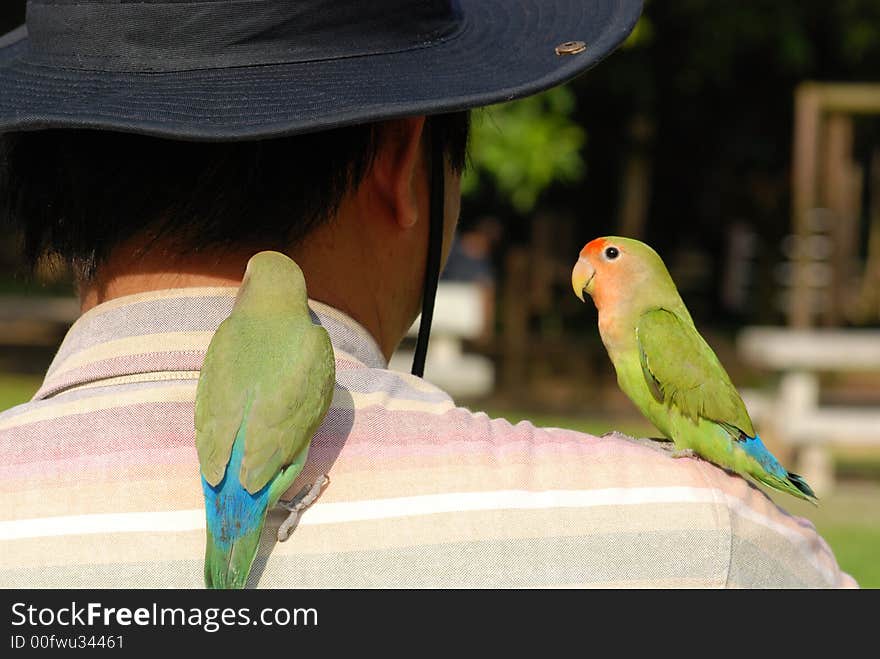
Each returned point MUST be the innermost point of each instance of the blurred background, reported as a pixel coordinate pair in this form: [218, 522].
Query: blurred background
[741, 141]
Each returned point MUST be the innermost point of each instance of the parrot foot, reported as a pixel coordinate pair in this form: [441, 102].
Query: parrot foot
[684, 453]
[298, 504]
[615, 435]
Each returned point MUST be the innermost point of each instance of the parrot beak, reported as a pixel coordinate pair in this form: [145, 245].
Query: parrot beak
[581, 278]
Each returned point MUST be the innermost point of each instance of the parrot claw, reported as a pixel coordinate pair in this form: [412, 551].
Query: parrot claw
[615, 434]
[298, 504]
[684, 453]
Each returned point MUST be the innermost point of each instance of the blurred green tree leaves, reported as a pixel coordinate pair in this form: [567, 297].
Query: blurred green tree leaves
[524, 146]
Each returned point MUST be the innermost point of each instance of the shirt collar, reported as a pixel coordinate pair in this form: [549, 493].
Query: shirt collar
[163, 335]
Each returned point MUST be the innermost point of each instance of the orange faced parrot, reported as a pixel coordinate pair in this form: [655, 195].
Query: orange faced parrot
[666, 368]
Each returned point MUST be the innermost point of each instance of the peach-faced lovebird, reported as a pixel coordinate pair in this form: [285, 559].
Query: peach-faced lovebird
[265, 386]
[665, 366]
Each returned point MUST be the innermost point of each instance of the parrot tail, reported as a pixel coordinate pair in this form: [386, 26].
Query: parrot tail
[801, 484]
[773, 474]
[792, 484]
[228, 565]
[234, 521]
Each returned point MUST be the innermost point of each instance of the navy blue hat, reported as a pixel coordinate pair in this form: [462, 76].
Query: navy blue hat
[245, 69]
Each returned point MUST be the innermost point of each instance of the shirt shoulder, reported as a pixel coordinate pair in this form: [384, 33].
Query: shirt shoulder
[770, 547]
[423, 493]
[699, 524]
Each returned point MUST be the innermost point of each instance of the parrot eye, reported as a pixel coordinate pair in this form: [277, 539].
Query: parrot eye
[611, 253]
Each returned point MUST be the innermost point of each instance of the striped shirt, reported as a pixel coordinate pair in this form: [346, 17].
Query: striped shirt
[101, 484]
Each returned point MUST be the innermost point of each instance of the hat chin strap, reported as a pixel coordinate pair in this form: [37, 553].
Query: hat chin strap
[435, 247]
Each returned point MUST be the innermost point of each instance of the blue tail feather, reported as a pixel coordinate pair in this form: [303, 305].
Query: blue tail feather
[231, 510]
[234, 518]
[756, 449]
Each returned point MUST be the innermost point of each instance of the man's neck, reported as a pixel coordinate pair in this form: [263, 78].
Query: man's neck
[131, 270]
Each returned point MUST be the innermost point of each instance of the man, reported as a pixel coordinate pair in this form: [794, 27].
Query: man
[155, 147]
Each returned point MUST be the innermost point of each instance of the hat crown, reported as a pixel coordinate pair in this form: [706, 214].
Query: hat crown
[178, 35]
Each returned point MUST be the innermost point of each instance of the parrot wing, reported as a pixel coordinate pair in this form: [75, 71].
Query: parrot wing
[220, 402]
[681, 369]
[288, 407]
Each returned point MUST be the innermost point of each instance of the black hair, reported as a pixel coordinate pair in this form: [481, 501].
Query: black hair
[77, 194]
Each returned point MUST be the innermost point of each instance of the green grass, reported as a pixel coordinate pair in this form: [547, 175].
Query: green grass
[857, 465]
[17, 389]
[856, 549]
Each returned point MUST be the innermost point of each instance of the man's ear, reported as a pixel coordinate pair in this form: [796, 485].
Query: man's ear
[398, 169]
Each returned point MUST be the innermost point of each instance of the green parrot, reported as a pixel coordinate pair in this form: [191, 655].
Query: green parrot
[666, 368]
[264, 388]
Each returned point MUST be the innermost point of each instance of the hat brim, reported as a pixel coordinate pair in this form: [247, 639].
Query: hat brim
[505, 50]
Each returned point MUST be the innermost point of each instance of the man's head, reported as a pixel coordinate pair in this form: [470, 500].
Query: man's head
[80, 194]
[349, 203]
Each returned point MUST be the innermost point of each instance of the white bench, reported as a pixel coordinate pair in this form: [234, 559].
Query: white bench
[458, 315]
[795, 411]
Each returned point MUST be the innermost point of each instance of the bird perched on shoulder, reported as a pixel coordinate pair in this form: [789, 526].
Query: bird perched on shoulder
[264, 388]
[666, 368]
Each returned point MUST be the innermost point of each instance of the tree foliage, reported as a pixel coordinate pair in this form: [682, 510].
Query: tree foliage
[523, 147]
